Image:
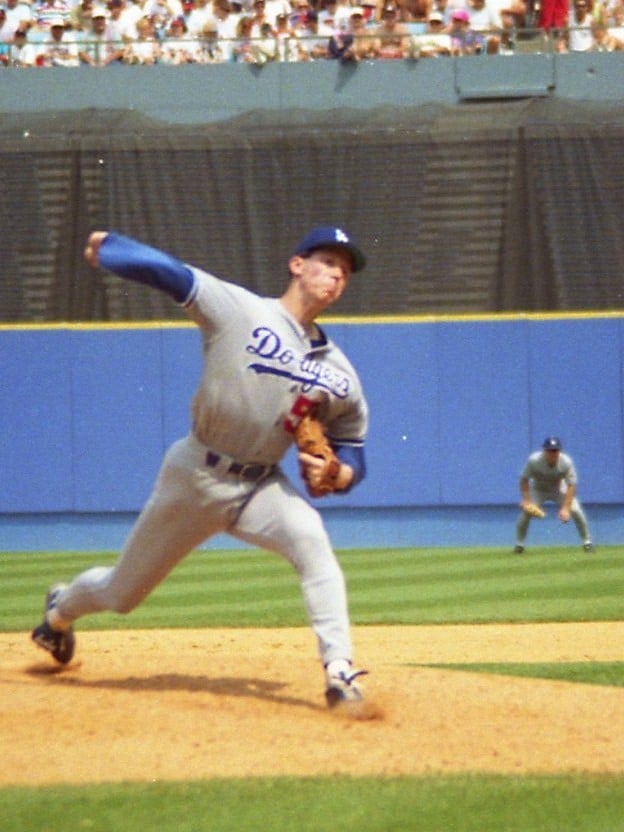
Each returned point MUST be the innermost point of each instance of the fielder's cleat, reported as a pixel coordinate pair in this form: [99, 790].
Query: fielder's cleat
[60, 643]
[588, 546]
[341, 687]
[518, 549]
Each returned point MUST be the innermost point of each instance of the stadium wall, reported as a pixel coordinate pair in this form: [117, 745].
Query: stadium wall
[456, 405]
[200, 94]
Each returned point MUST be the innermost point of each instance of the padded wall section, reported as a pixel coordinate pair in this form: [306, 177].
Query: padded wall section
[117, 412]
[181, 366]
[398, 367]
[575, 392]
[484, 412]
[36, 457]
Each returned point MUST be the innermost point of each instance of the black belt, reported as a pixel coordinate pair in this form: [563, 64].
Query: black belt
[252, 471]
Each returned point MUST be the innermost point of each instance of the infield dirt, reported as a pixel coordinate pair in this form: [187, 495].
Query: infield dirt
[179, 705]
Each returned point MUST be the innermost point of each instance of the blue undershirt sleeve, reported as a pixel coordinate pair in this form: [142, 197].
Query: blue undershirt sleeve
[353, 456]
[139, 262]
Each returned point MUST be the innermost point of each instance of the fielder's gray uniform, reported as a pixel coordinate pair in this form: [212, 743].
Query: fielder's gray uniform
[549, 484]
[261, 371]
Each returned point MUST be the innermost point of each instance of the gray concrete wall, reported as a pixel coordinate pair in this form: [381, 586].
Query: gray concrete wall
[199, 94]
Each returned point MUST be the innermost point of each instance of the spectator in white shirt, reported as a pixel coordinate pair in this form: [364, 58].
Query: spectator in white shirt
[120, 24]
[132, 13]
[435, 42]
[275, 7]
[60, 47]
[484, 16]
[19, 15]
[579, 35]
[7, 30]
[21, 52]
[197, 18]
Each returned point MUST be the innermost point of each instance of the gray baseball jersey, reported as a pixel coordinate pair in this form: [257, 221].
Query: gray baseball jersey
[261, 373]
[549, 481]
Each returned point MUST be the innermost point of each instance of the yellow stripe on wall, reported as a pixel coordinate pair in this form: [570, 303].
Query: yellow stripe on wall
[337, 319]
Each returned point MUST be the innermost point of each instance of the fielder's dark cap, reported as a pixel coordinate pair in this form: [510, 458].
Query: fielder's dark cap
[324, 236]
[552, 443]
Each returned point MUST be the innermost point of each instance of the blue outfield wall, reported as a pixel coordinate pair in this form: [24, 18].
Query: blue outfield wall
[456, 406]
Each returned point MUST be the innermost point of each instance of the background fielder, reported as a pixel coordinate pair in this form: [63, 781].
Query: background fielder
[550, 476]
[266, 365]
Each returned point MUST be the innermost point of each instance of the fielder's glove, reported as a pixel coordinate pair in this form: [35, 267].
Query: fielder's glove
[533, 510]
[320, 474]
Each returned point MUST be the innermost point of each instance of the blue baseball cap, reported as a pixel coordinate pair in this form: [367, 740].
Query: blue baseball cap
[328, 235]
[552, 443]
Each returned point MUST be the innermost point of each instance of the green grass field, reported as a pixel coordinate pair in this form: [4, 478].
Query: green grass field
[255, 589]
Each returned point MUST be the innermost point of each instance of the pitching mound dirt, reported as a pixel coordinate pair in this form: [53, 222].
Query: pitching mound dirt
[179, 705]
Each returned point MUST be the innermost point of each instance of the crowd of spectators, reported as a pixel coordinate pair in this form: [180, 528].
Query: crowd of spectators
[71, 33]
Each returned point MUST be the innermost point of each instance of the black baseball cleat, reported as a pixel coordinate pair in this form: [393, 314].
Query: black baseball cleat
[60, 643]
[588, 547]
[341, 687]
[518, 549]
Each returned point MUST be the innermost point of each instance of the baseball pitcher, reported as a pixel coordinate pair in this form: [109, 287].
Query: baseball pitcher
[268, 370]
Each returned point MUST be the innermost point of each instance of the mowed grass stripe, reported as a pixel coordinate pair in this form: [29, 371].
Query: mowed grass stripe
[459, 610]
[248, 587]
[441, 563]
[477, 567]
[206, 615]
[534, 581]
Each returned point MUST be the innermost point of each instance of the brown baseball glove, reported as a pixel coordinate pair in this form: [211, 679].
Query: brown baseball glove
[310, 439]
[533, 510]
